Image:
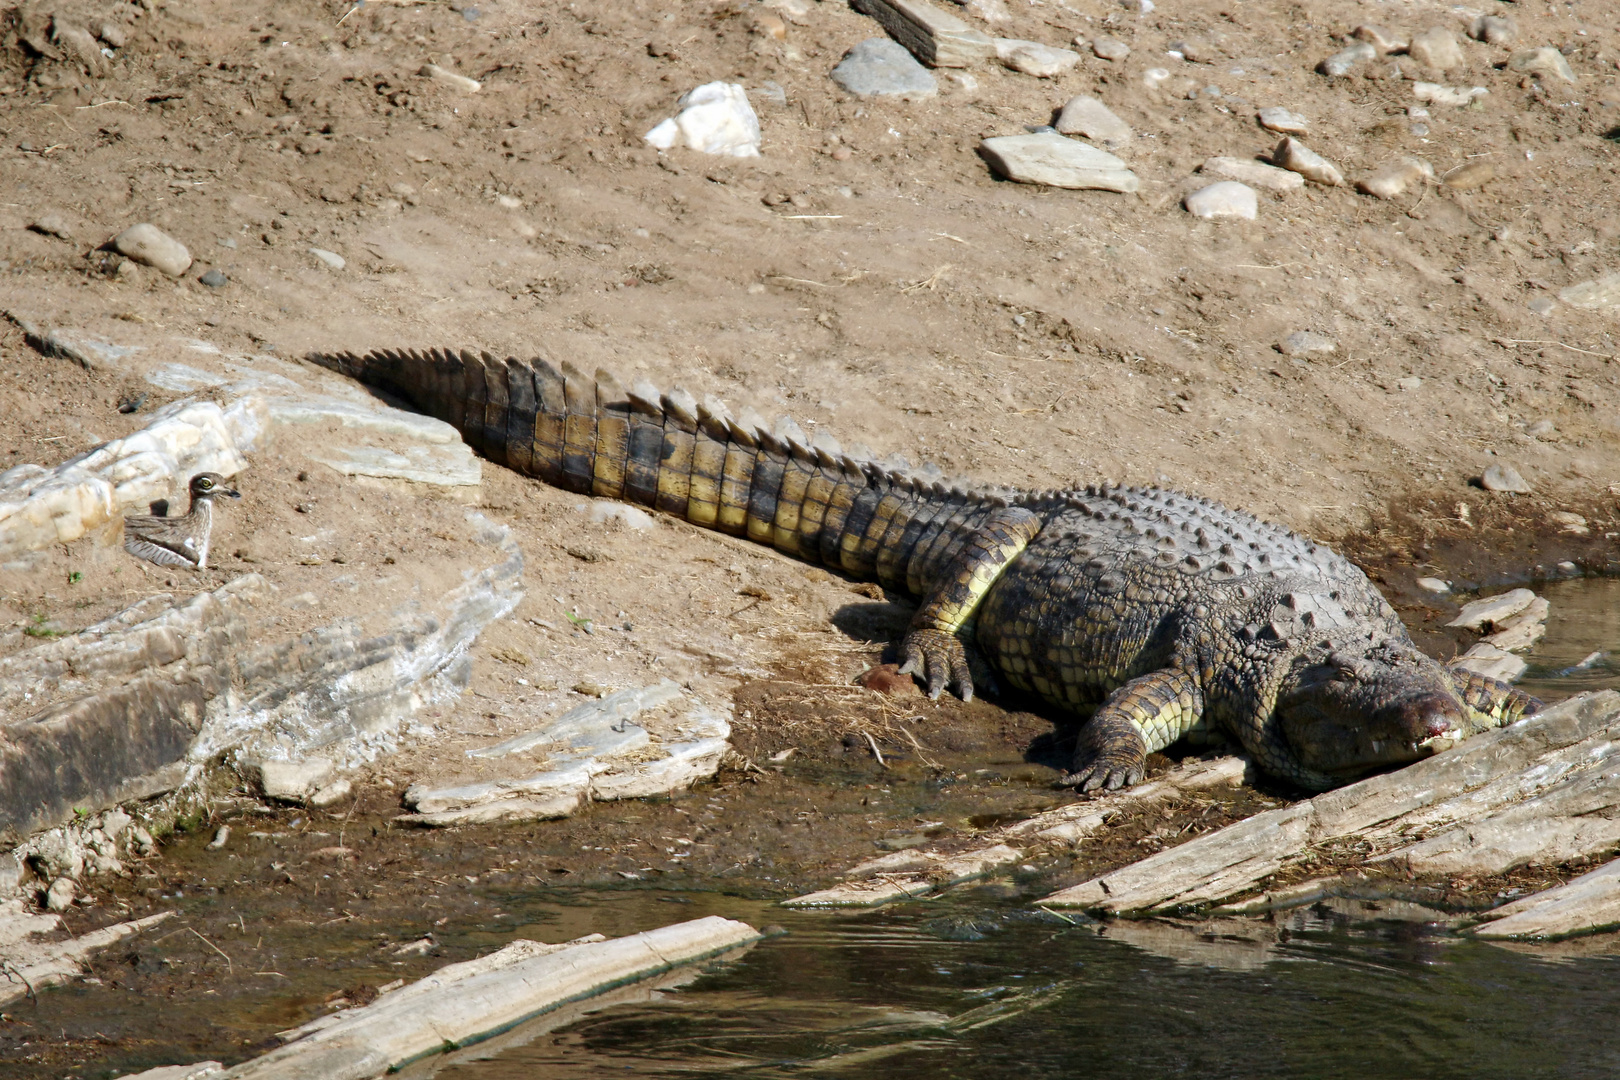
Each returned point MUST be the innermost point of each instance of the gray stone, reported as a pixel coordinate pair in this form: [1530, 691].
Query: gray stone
[1033, 58]
[1282, 121]
[1379, 38]
[201, 1070]
[330, 258]
[1253, 173]
[1598, 294]
[1542, 429]
[1083, 115]
[1107, 48]
[1225, 200]
[1451, 96]
[1493, 610]
[331, 794]
[153, 247]
[1493, 30]
[1295, 156]
[1436, 48]
[1504, 478]
[214, 279]
[1341, 64]
[59, 897]
[292, 781]
[1546, 61]
[1541, 305]
[52, 225]
[935, 37]
[1056, 161]
[1493, 663]
[1307, 343]
[1433, 585]
[878, 67]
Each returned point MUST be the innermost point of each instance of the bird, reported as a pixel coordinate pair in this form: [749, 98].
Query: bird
[178, 541]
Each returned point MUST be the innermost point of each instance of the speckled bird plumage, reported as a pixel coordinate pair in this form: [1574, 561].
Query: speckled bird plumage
[182, 540]
[1160, 615]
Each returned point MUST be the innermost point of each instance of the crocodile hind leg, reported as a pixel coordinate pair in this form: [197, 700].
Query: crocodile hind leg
[1492, 703]
[933, 646]
[1146, 714]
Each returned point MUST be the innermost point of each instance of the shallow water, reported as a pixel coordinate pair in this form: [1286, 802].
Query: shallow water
[1584, 619]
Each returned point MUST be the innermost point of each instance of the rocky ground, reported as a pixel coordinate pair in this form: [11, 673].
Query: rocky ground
[1348, 364]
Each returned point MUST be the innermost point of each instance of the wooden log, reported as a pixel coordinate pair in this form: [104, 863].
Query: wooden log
[938, 871]
[937, 38]
[1478, 778]
[471, 1001]
[1590, 902]
[29, 964]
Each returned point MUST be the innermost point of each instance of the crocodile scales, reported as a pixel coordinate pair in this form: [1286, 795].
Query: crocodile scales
[1161, 614]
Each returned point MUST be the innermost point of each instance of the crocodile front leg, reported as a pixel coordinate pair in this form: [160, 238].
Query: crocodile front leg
[1492, 703]
[1146, 714]
[933, 645]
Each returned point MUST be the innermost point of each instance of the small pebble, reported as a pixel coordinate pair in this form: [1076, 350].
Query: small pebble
[1254, 173]
[1434, 585]
[221, 836]
[1379, 38]
[1569, 568]
[1546, 61]
[1395, 178]
[1306, 343]
[1504, 478]
[146, 243]
[1033, 58]
[214, 279]
[1283, 122]
[1473, 174]
[1153, 78]
[330, 258]
[450, 78]
[1451, 96]
[1541, 305]
[52, 225]
[228, 242]
[113, 34]
[1107, 48]
[60, 895]
[1436, 48]
[1410, 383]
[1541, 429]
[1340, 64]
[880, 67]
[1295, 156]
[1493, 30]
[331, 794]
[1226, 200]
[1083, 115]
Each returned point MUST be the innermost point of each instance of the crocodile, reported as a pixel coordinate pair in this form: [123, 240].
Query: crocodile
[1154, 615]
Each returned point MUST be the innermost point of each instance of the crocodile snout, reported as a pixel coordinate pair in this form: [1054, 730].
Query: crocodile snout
[1430, 716]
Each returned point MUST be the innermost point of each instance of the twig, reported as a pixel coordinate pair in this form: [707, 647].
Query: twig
[1059, 914]
[813, 217]
[230, 968]
[1560, 344]
[99, 104]
[875, 751]
[12, 969]
[930, 283]
[357, 6]
[802, 281]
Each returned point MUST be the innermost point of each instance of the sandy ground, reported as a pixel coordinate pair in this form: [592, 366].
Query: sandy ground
[868, 275]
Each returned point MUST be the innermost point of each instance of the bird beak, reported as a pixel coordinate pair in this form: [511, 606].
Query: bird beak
[232, 494]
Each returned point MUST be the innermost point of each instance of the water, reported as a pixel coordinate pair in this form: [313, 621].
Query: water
[975, 988]
[1585, 619]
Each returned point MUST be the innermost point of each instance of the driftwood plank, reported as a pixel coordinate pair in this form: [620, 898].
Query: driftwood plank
[1590, 902]
[1562, 766]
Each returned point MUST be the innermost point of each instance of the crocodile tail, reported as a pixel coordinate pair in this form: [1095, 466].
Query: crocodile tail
[805, 497]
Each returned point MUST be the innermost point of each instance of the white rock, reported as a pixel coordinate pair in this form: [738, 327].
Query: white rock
[1436, 48]
[1597, 294]
[1543, 61]
[59, 897]
[1254, 173]
[331, 794]
[1055, 161]
[1226, 200]
[330, 258]
[1153, 78]
[1107, 48]
[201, 1070]
[1341, 64]
[450, 78]
[1379, 38]
[1283, 122]
[149, 244]
[1493, 30]
[1493, 610]
[1295, 156]
[715, 118]
[1506, 478]
[222, 836]
[1434, 585]
[292, 781]
[1307, 343]
[1451, 96]
[1395, 178]
[632, 517]
[1491, 662]
[1033, 58]
[1083, 115]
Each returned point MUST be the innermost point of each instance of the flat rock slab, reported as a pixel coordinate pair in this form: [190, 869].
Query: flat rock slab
[470, 1001]
[1493, 610]
[879, 67]
[1033, 58]
[1057, 161]
[1088, 117]
[1547, 787]
[1599, 294]
[1589, 903]
[1253, 173]
[934, 36]
[1224, 200]
[638, 742]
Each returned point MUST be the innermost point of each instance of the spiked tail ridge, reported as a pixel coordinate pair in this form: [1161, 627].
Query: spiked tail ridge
[877, 521]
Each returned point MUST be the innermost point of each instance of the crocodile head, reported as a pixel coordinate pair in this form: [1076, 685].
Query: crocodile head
[1355, 710]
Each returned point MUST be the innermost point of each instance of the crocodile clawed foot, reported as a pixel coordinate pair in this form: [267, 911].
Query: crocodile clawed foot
[1103, 774]
[940, 659]
[1110, 754]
